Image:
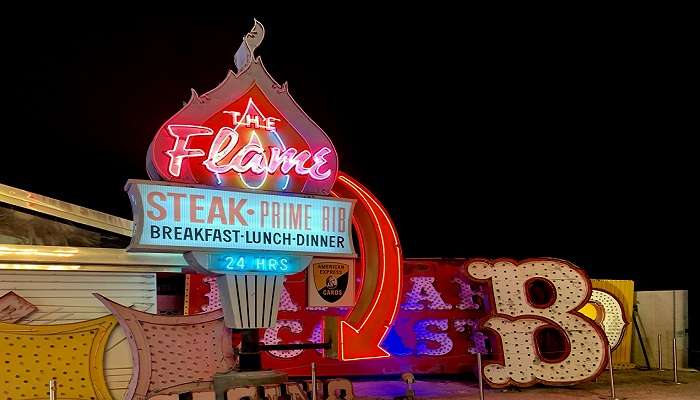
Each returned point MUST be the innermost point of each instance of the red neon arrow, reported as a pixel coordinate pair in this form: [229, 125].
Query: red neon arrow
[368, 323]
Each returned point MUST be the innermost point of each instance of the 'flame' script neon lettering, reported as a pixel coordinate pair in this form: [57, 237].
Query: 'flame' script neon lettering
[223, 156]
[250, 157]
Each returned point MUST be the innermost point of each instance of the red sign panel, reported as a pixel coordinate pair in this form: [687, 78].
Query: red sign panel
[248, 133]
[435, 330]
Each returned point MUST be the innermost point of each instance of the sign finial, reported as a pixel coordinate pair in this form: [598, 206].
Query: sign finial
[251, 41]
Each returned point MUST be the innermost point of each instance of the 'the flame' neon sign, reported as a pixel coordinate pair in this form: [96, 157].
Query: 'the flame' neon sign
[249, 142]
[249, 133]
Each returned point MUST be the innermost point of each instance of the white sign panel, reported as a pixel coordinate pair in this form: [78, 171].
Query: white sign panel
[173, 217]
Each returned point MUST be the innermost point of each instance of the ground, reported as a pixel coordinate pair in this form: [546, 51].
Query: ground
[629, 384]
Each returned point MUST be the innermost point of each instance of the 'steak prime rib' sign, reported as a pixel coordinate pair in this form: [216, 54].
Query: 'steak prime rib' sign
[176, 217]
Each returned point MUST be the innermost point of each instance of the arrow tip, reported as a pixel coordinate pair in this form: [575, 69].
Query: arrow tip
[361, 346]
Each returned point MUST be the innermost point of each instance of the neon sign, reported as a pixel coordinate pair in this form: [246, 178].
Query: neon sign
[249, 133]
[266, 264]
[365, 328]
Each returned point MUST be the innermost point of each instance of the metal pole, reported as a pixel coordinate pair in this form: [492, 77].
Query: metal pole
[675, 362]
[674, 313]
[612, 378]
[658, 344]
[313, 381]
[675, 365]
[481, 379]
[52, 389]
[635, 315]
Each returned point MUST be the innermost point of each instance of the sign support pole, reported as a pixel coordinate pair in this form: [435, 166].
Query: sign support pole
[481, 378]
[313, 381]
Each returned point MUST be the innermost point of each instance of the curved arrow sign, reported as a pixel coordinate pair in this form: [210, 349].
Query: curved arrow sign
[362, 332]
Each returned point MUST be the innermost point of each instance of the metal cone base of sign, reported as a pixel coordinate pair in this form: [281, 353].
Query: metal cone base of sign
[250, 301]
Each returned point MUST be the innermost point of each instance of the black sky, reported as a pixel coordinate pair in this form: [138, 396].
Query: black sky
[537, 133]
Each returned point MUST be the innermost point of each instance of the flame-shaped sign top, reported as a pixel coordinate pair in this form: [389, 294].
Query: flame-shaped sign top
[247, 133]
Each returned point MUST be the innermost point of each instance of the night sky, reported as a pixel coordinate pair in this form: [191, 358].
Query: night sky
[487, 136]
